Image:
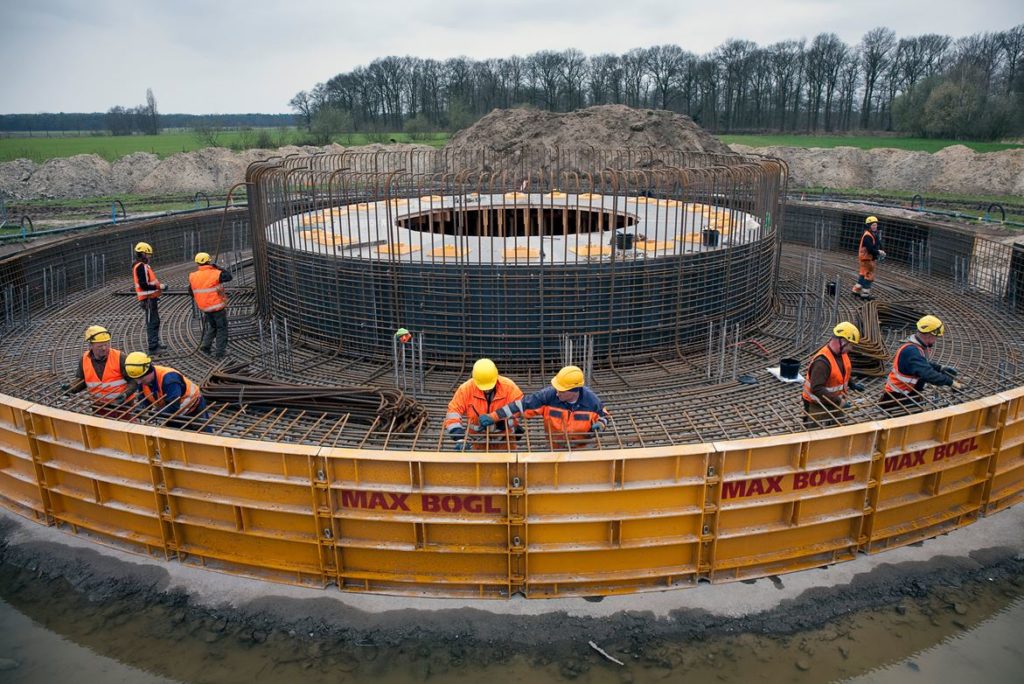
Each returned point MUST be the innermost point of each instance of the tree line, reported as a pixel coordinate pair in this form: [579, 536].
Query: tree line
[929, 85]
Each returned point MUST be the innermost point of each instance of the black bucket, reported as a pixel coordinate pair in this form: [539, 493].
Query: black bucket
[710, 237]
[625, 240]
[832, 288]
[789, 368]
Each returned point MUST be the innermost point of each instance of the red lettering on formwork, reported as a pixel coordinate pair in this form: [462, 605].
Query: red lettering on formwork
[743, 488]
[375, 500]
[455, 503]
[816, 478]
[907, 460]
[958, 448]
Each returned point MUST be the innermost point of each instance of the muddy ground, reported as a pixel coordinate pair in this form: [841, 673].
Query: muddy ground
[955, 169]
[134, 612]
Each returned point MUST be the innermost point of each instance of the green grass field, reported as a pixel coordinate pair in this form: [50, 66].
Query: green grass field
[113, 148]
[865, 142]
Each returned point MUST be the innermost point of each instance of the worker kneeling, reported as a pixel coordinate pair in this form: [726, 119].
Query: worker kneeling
[572, 413]
[827, 380]
[174, 396]
[484, 393]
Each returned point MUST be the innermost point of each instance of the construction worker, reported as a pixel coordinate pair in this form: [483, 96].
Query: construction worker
[147, 291]
[101, 371]
[869, 254]
[206, 285]
[827, 379]
[911, 369]
[485, 392]
[572, 412]
[169, 391]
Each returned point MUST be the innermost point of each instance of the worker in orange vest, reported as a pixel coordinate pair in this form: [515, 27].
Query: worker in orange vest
[101, 371]
[827, 379]
[167, 390]
[147, 291]
[206, 285]
[912, 370]
[572, 413]
[484, 393]
[869, 253]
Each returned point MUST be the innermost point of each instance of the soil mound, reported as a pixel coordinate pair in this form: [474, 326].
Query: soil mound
[84, 175]
[606, 126]
[14, 177]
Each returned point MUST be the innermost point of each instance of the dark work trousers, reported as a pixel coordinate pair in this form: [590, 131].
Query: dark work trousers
[152, 309]
[215, 332]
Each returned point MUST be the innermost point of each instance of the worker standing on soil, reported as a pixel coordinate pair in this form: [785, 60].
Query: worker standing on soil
[206, 285]
[168, 390]
[911, 369]
[572, 413]
[869, 254]
[101, 371]
[484, 393]
[828, 378]
[147, 291]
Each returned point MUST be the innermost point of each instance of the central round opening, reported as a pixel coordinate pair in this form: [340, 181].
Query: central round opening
[501, 222]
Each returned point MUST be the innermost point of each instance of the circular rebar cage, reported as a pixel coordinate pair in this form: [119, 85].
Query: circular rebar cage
[621, 253]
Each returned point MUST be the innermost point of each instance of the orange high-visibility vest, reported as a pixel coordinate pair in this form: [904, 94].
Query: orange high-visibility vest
[207, 289]
[189, 399]
[107, 388]
[898, 382]
[148, 290]
[862, 253]
[838, 378]
[469, 403]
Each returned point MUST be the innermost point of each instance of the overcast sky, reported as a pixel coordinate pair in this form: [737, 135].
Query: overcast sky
[235, 56]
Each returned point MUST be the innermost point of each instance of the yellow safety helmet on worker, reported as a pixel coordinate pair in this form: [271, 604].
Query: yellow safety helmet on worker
[870, 219]
[932, 325]
[202, 258]
[485, 374]
[568, 379]
[137, 364]
[144, 248]
[848, 331]
[96, 333]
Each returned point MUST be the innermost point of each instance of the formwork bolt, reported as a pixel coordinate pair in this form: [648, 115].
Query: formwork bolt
[328, 534]
[320, 475]
[516, 541]
[516, 482]
[707, 529]
[711, 471]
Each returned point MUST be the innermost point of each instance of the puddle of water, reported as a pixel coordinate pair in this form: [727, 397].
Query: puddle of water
[166, 639]
[30, 653]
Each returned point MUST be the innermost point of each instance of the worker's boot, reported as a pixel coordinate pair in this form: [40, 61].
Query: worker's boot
[856, 290]
[865, 294]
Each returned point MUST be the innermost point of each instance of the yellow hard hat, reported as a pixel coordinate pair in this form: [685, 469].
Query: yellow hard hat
[871, 219]
[144, 247]
[202, 258]
[137, 364]
[931, 324]
[485, 374]
[569, 378]
[96, 333]
[848, 331]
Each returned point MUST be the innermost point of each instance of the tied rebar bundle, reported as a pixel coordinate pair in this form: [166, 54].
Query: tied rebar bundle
[363, 405]
[870, 357]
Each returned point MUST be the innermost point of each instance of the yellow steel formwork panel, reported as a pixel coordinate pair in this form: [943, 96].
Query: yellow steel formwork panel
[435, 524]
[789, 503]
[613, 521]
[1006, 484]
[19, 483]
[932, 473]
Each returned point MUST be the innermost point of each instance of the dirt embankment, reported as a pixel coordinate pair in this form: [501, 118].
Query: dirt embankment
[955, 169]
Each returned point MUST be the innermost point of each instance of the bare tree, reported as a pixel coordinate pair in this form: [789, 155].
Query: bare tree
[152, 116]
[302, 103]
[876, 47]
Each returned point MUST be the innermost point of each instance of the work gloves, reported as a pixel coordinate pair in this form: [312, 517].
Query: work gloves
[856, 386]
[597, 427]
[461, 445]
[486, 421]
[950, 371]
[957, 385]
[163, 286]
[881, 255]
